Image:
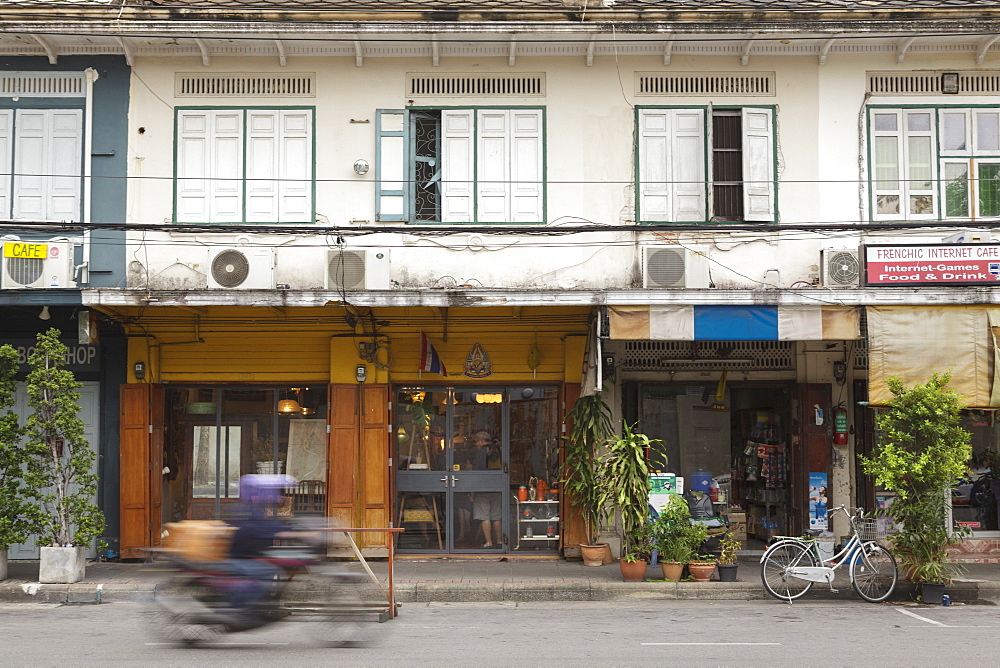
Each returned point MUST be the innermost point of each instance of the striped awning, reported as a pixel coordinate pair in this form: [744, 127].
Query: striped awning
[735, 323]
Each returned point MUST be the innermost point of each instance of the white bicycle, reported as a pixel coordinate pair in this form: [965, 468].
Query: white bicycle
[791, 565]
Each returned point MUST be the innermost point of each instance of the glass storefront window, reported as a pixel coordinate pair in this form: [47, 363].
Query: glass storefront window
[974, 497]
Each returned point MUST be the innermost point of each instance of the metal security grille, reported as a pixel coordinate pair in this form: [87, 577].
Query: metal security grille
[700, 355]
[705, 83]
[727, 166]
[929, 83]
[256, 85]
[42, 84]
[475, 85]
[427, 165]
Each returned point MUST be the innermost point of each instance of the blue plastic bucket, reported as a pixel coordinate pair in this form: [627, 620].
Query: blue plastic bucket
[700, 480]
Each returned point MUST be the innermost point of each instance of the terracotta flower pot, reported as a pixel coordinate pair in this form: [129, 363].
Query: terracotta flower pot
[701, 571]
[672, 570]
[593, 555]
[633, 571]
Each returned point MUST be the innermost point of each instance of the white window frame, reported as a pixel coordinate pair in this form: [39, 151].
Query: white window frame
[244, 165]
[42, 150]
[674, 168]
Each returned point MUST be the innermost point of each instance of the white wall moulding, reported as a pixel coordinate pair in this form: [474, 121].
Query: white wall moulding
[248, 84]
[716, 84]
[475, 85]
[42, 84]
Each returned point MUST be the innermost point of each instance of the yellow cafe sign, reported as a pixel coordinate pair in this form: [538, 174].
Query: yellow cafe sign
[32, 251]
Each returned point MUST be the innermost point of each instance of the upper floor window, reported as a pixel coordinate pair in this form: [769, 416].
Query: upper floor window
[244, 165]
[43, 151]
[688, 174]
[460, 165]
[932, 163]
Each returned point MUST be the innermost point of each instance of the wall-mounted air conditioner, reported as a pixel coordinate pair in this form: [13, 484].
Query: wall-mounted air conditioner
[37, 264]
[243, 268]
[839, 267]
[366, 269]
[675, 267]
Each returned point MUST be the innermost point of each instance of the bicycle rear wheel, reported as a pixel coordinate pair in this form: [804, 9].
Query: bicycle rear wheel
[873, 575]
[774, 570]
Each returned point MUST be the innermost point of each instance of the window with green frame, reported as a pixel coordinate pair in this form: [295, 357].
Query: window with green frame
[930, 163]
[237, 165]
[444, 165]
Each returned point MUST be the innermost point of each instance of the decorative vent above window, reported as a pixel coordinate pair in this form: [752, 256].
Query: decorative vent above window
[475, 85]
[930, 83]
[253, 85]
[42, 84]
[705, 83]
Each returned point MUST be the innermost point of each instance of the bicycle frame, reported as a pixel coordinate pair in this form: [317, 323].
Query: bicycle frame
[824, 573]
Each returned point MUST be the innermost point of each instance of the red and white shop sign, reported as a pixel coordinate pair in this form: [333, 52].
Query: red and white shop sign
[920, 264]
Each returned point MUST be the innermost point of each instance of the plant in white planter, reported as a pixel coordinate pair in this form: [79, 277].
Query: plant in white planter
[15, 526]
[60, 467]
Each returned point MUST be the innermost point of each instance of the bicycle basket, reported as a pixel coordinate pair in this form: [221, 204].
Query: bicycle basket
[872, 528]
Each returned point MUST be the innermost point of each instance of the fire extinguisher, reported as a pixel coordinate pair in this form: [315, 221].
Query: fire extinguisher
[840, 425]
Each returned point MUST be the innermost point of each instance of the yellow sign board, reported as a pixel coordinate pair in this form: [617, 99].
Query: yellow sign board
[25, 250]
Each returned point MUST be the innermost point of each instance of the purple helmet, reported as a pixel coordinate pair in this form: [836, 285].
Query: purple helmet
[265, 488]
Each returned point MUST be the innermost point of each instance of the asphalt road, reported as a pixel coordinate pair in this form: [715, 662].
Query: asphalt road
[685, 633]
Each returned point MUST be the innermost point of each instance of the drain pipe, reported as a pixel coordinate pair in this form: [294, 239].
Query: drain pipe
[91, 76]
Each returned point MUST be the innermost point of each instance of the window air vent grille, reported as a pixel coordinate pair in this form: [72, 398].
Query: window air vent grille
[929, 83]
[42, 84]
[253, 85]
[475, 85]
[704, 83]
[701, 355]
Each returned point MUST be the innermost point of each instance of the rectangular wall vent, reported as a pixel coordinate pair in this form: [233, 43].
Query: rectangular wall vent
[475, 85]
[929, 83]
[253, 85]
[42, 84]
[705, 83]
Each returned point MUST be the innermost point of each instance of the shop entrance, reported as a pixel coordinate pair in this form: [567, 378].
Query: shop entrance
[461, 455]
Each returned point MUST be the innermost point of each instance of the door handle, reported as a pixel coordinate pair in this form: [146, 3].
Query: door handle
[445, 481]
[453, 479]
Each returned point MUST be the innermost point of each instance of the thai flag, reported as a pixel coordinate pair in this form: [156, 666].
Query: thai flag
[429, 359]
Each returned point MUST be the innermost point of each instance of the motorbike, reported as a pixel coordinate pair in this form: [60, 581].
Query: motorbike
[193, 606]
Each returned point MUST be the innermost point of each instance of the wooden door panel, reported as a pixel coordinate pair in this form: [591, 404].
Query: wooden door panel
[342, 456]
[375, 462]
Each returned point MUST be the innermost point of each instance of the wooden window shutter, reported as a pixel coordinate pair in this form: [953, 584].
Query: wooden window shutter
[457, 166]
[390, 161]
[375, 463]
[758, 165]
[6, 144]
[342, 454]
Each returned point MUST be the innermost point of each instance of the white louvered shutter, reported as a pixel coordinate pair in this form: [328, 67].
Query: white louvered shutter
[64, 159]
[687, 165]
[30, 168]
[226, 167]
[525, 204]
[6, 166]
[493, 173]
[193, 154]
[758, 165]
[457, 168]
[295, 167]
[263, 155]
[654, 149]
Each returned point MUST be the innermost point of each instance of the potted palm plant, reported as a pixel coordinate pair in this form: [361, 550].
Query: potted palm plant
[60, 465]
[922, 449]
[623, 484]
[589, 428]
[675, 538]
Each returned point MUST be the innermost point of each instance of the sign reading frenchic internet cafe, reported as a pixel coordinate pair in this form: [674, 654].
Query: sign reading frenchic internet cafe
[932, 264]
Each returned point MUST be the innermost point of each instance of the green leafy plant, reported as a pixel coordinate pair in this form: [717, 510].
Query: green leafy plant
[922, 449]
[674, 537]
[61, 461]
[589, 428]
[623, 487]
[728, 549]
[15, 507]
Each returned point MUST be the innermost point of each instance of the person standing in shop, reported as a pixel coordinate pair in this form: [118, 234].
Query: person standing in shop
[486, 505]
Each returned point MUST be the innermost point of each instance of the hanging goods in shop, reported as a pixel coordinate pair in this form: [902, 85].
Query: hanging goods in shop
[840, 426]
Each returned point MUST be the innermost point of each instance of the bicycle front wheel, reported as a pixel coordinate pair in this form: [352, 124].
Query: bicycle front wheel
[774, 570]
[873, 572]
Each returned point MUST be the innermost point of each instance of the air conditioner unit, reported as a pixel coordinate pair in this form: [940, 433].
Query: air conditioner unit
[675, 267]
[244, 268]
[839, 267]
[37, 264]
[366, 269]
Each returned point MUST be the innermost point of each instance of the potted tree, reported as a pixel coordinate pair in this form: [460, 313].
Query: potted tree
[922, 449]
[726, 564]
[674, 537]
[590, 427]
[60, 465]
[623, 483]
[15, 526]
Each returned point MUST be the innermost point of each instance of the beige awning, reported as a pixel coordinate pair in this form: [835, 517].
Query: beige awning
[734, 323]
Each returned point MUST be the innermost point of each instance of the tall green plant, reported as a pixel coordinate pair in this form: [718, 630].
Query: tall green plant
[623, 483]
[61, 462]
[15, 525]
[922, 450]
[674, 536]
[590, 428]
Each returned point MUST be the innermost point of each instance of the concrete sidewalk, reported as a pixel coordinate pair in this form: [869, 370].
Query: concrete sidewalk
[456, 579]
